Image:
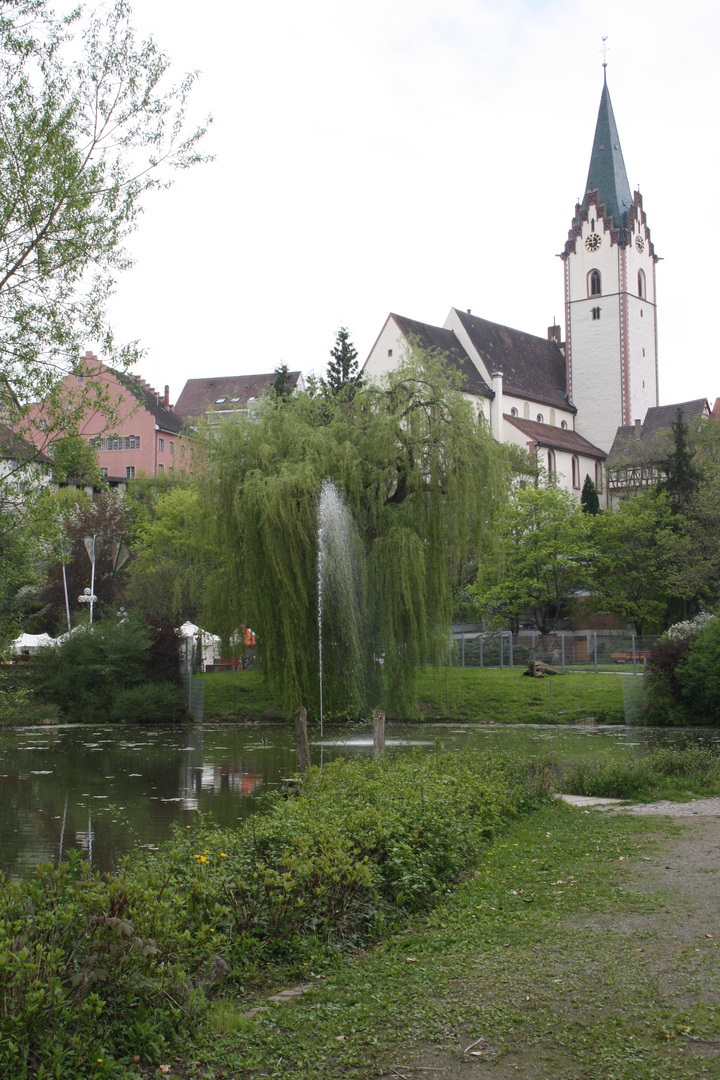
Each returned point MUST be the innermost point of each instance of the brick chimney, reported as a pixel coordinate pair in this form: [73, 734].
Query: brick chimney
[166, 397]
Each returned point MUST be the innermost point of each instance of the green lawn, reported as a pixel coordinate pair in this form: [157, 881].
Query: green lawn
[472, 694]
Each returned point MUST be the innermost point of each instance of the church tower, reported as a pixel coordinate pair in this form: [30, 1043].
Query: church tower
[610, 306]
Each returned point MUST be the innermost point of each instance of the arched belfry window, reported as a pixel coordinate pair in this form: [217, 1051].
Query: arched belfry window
[641, 284]
[594, 283]
[551, 467]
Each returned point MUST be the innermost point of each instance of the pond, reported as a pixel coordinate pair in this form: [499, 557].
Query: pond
[105, 790]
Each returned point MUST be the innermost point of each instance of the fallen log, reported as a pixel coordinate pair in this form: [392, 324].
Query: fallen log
[537, 670]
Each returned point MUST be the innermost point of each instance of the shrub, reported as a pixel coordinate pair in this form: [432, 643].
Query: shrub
[667, 771]
[150, 702]
[165, 652]
[113, 671]
[698, 675]
[105, 967]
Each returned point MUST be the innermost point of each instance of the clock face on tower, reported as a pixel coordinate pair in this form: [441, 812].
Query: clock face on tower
[593, 241]
[640, 244]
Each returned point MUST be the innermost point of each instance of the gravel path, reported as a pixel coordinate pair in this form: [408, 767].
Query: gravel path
[694, 808]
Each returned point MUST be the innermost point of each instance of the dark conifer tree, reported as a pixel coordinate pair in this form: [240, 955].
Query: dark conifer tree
[342, 370]
[589, 500]
[681, 477]
[282, 385]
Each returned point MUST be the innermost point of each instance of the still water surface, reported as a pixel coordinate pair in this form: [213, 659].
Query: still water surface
[105, 790]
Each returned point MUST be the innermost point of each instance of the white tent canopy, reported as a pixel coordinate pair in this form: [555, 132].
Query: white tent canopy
[30, 643]
[210, 642]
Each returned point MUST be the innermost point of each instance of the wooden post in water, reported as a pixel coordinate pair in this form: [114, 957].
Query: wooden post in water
[301, 738]
[378, 733]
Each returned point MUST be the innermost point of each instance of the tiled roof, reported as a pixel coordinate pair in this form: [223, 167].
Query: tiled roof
[654, 440]
[607, 174]
[165, 418]
[225, 393]
[661, 417]
[444, 341]
[14, 447]
[532, 367]
[554, 437]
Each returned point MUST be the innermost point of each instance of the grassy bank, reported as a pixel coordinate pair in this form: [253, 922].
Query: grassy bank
[95, 971]
[470, 695]
[552, 960]
[665, 773]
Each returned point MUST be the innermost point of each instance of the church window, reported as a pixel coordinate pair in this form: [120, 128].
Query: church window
[641, 284]
[389, 352]
[592, 224]
[563, 425]
[596, 313]
[643, 352]
[594, 283]
[540, 418]
[598, 477]
[641, 313]
[526, 410]
[551, 465]
[576, 471]
[513, 412]
[552, 417]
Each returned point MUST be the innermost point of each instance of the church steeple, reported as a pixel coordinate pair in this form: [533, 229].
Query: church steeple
[610, 312]
[607, 173]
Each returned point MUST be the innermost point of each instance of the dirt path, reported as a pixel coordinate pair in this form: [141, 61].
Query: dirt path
[670, 945]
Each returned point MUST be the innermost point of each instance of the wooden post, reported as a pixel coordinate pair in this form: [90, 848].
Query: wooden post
[378, 733]
[301, 738]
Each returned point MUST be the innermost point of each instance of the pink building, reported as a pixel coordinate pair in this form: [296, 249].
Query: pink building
[147, 436]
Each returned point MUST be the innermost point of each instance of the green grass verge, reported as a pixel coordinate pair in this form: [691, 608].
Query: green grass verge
[545, 959]
[474, 695]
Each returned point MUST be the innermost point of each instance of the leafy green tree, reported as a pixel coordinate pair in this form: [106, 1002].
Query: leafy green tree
[589, 500]
[424, 483]
[175, 558]
[75, 459]
[631, 545]
[342, 371]
[542, 564]
[88, 127]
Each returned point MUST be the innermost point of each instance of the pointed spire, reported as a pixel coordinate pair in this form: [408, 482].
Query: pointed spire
[607, 169]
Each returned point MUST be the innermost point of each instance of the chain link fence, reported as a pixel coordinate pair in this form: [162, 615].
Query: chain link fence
[580, 650]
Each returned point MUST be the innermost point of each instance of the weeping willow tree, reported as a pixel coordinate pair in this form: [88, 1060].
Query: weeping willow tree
[424, 482]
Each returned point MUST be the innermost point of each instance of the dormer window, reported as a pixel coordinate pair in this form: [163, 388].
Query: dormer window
[594, 283]
[540, 418]
[513, 412]
[563, 425]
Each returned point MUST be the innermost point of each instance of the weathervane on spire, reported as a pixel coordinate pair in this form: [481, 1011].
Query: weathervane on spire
[604, 51]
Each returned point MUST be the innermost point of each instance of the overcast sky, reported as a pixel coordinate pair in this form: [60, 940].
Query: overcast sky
[412, 156]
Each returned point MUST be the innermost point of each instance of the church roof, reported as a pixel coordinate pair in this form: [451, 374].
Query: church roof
[555, 437]
[437, 338]
[532, 366]
[607, 173]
